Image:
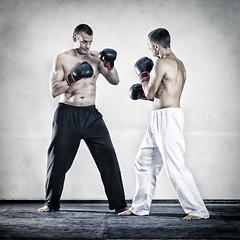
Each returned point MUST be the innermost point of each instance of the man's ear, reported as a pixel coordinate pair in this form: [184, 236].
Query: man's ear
[74, 38]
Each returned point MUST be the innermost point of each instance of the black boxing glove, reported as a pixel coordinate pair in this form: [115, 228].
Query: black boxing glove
[136, 92]
[143, 68]
[108, 57]
[83, 70]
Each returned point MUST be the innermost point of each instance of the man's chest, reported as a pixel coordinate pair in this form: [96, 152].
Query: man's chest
[71, 64]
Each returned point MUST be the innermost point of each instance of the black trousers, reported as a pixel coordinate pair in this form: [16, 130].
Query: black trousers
[71, 124]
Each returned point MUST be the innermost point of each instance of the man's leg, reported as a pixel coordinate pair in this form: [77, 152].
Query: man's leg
[147, 166]
[61, 153]
[171, 142]
[100, 145]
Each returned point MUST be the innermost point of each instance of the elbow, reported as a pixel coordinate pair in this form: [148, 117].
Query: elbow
[116, 82]
[150, 95]
[53, 94]
[112, 77]
[113, 81]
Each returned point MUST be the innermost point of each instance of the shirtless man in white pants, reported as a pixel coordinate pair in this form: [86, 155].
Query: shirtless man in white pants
[164, 141]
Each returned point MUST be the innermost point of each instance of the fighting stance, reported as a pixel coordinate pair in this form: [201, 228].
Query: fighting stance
[73, 78]
[163, 142]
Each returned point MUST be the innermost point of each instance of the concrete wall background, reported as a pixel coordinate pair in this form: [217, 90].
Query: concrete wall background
[205, 36]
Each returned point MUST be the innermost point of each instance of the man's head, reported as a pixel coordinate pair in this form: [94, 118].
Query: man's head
[83, 37]
[157, 39]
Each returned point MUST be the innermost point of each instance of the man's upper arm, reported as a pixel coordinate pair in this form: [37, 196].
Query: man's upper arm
[102, 69]
[158, 73]
[110, 75]
[57, 74]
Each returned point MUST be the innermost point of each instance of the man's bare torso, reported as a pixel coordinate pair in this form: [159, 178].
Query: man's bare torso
[83, 92]
[171, 86]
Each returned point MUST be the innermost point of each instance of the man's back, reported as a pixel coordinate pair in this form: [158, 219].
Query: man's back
[172, 83]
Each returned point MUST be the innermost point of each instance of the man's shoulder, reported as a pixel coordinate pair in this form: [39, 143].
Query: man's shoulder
[61, 57]
[162, 63]
[94, 53]
[93, 57]
[167, 62]
[69, 52]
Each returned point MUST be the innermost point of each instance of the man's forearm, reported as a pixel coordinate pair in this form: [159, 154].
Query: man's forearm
[149, 91]
[112, 76]
[145, 88]
[58, 88]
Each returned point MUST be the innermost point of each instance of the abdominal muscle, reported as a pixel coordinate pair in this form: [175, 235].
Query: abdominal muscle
[82, 93]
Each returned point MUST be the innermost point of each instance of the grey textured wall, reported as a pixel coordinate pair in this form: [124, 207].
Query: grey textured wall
[205, 35]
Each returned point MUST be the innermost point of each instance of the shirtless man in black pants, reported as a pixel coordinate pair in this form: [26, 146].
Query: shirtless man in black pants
[73, 78]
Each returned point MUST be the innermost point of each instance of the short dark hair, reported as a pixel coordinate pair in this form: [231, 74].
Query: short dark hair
[160, 36]
[82, 28]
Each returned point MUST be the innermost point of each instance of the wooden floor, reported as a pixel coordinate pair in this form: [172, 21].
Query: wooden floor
[95, 221]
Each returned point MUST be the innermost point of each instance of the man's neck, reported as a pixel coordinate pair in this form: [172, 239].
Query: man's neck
[165, 52]
[78, 52]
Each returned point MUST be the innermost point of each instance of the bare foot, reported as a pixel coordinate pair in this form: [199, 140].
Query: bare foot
[191, 217]
[120, 210]
[125, 213]
[45, 209]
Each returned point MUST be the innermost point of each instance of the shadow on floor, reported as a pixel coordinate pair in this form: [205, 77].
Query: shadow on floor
[95, 221]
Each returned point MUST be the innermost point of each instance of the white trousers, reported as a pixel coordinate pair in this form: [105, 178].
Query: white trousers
[164, 143]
